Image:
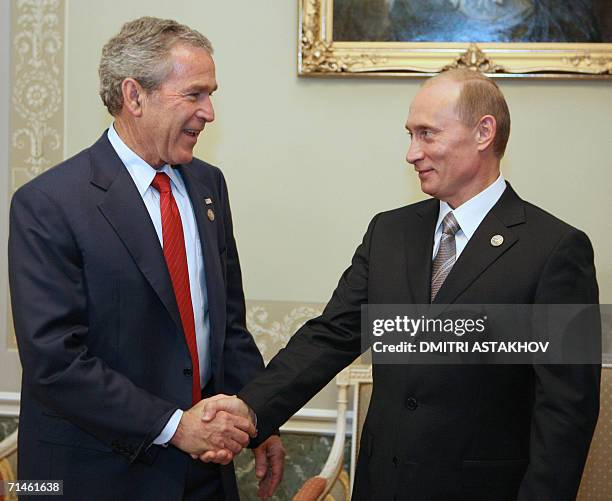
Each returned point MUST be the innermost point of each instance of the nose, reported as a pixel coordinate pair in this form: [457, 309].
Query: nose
[415, 153]
[206, 111]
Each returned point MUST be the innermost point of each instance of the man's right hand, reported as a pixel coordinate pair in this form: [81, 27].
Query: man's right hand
[224, 403]
[225, 432]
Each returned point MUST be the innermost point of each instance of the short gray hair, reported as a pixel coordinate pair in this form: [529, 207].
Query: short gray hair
[141, 50]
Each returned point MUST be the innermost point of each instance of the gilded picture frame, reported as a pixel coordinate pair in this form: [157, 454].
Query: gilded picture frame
[320, 56]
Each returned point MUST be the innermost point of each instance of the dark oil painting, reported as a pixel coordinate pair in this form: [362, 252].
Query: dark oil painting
[569, 21]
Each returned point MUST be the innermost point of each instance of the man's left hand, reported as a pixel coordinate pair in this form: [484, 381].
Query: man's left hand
[269, 465]
[269, 456]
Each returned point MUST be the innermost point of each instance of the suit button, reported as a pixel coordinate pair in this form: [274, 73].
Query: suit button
[412, 404]
[187, 371]
[395, 461]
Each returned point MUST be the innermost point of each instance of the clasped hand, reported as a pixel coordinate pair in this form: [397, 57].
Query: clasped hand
[227, 431]
[218, 428]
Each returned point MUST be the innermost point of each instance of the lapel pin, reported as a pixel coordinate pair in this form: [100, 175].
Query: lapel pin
[211, 214]
[497, 240]
[208, 201]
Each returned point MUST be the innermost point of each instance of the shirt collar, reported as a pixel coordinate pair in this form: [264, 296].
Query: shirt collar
[142, 173]
[470, 214]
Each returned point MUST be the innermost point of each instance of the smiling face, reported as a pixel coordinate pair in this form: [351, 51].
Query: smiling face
[174, 114]
[445, 151]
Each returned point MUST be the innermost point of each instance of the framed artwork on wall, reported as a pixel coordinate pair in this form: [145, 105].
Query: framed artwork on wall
[509, 38]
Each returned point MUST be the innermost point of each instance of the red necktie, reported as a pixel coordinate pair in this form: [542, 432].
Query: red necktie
[176, 260]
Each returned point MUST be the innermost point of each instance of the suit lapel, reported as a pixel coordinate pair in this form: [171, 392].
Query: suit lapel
[480, 253]
[199, 192]
[125, 211]
[420, 238]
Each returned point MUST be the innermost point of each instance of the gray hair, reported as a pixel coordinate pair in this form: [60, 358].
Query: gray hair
[141, 50]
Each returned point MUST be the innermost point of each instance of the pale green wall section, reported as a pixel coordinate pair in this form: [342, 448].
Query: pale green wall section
[310, 161]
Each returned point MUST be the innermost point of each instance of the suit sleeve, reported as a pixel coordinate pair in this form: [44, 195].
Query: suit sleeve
[566, 396]
[317, 352]
[50, 312]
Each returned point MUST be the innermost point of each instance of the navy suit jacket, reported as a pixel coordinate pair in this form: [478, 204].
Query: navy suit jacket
[105, 362]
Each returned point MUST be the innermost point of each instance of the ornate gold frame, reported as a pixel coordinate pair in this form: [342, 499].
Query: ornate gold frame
[319, 55]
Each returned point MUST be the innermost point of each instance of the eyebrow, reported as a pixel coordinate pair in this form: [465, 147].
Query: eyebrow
[422, 126]
[200, 88]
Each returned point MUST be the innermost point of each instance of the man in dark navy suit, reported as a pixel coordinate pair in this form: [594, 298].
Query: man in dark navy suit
[127, 293]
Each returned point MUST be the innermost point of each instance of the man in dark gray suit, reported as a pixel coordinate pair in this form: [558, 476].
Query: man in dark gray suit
[452, 432]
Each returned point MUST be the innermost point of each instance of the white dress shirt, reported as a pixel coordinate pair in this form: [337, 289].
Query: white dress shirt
[143, 174]
[469, 215]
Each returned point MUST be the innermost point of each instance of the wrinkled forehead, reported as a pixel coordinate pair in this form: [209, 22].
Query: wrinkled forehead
[189, 63]
[189, 54]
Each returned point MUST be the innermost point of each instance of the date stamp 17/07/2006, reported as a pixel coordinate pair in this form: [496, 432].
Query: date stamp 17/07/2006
[32, 487]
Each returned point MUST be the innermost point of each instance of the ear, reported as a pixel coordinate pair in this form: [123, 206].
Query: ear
[485, 132]
[133, 94]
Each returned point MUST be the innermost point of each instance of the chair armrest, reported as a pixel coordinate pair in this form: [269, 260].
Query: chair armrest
[311, 490]
[9, 445]
[8, 453]
[321, 484]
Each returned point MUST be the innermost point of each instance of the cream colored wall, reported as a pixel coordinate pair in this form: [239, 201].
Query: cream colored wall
[310, 161]
[9, 365]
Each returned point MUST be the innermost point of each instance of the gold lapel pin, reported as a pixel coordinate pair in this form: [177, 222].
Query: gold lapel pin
[497, 240]
[208, 201]
[211, 214]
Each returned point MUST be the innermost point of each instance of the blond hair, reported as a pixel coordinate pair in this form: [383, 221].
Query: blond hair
[141, 50]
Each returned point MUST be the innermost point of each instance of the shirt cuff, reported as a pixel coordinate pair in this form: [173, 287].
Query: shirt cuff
[253, 417]
[170, 429]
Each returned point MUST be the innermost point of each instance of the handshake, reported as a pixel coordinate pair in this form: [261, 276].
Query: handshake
[216, 429]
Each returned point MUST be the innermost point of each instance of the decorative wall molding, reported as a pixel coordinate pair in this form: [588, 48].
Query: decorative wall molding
[9, 403]
[5, 83]
[10, 368]
[272, 323]
[37, 115]
[36, 127]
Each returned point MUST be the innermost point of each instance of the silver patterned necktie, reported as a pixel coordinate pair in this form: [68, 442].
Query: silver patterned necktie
[445, 258]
